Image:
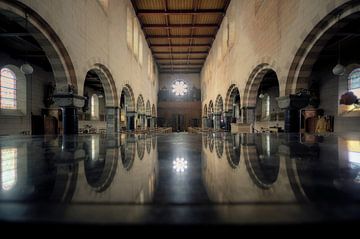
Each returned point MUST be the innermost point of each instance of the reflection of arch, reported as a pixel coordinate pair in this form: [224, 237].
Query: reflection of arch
[127, 100]
[205, 141]
[308, 52]
[108, 83]
[253, 84]
[140, 106]
[211, 143]
[127, 151]
[100, 171]
[205, 112]
[140, 147]
[233, 149]
[219, 146]
[262, 160]
[153, 142]
[49, 41]
[148, 108]
[148, 145]
[232, 93]
[219, 104]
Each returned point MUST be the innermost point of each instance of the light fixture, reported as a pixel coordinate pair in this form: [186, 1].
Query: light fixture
[100, 96]
[179, 88]
[339, 69]
[261, 96]
[180, 164]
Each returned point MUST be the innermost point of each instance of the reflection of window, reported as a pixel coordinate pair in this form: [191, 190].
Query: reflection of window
[94, 107]
[95, 145]
[354, 82]
[8, 168]
[354, 156]
[7, 89]
[179, 88]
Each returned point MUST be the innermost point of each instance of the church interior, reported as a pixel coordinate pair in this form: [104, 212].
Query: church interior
[169, 112]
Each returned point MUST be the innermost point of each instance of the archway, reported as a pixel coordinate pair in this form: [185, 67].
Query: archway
[140, 109]
[153, 117]
[127, 150]
[232, 107]
[219, 122]
[127, 109]
[49, 72]
[233, 149]
[262, 109]
[148, 114]
[211, 115]
[205, 117]
[313, 74]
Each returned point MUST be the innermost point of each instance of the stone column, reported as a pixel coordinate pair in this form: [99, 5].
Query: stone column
[69, 103]
[112, 120]
[148, 121]
[228, 118]
[130, 120]
[248, 115]
[291, 105]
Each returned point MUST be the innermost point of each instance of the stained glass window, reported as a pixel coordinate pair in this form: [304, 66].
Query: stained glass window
[179, 88]
[7, 89]
[354, 82]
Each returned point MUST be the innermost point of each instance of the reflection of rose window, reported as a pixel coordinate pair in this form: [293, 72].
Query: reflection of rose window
[180, 164]
[179, 88]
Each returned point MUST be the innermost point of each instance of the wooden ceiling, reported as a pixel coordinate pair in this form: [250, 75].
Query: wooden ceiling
[180, 33]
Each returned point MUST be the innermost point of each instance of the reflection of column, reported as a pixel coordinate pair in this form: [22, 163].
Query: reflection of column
[204, 122]
[112, 119]
[248, 115]
[292, 105]
[69, 104]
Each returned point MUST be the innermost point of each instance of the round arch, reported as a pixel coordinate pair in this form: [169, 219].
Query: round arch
[211, 108]
[108, 83]
[219, 104]
[153, 111]
[49, 41]
[140, 105]
[205, 111]
[127, 99]
[253, 84]
[232, 92]
[309, 50]
[148, 108]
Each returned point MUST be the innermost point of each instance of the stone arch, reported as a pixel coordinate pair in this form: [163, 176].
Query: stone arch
[140, 105]
[205, 111]
[148, 108]
[313, 44]
[108, 83]
[129, 98]
[211, 108]
[231, 93]
[49, 41]
[253, 84]
[219, 104]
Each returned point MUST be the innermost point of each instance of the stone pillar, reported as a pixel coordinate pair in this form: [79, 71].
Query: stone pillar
[291, 105]
[112, 120]
[148, 121]
[130, 120]
[153, 122]
[228, 119]
[69, 103]
[248, 115]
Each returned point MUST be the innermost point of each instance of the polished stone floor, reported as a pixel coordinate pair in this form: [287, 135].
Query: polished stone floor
[179, 178]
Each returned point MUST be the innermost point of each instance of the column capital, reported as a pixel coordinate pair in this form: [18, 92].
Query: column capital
[69, 100]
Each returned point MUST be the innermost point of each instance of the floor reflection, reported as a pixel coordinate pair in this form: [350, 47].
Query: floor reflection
[220, 173]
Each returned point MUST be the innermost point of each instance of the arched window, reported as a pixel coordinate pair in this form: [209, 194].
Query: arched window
[354, 82]
[94, 107]
[8, 89]
[8, 168]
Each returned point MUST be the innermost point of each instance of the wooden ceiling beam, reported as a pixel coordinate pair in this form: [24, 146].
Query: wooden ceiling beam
[162, 12]
[180, 37]
[178, 52]
[181, 26]
[181, 59]
[179, 45]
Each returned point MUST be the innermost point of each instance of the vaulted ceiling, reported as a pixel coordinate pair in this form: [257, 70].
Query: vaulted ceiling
[180, 33]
